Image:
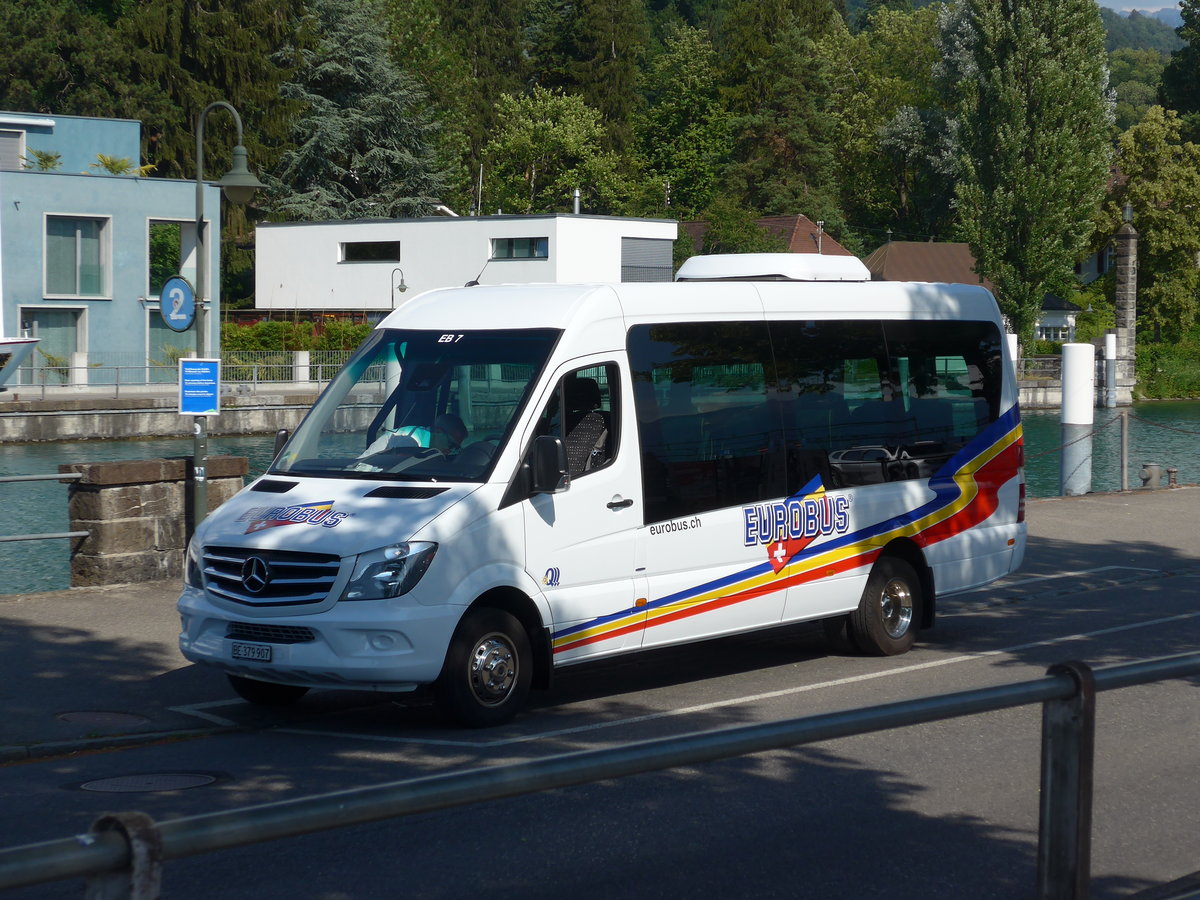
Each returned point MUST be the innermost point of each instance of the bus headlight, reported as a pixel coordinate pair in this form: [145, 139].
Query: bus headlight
[192, 576]
[389, 571]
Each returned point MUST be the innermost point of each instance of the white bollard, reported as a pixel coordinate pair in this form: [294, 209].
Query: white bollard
[1110, 370]
[1078, 414]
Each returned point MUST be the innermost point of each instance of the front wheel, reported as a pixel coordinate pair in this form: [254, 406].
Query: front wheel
[885, 622]
[266, 693]
[487, 672]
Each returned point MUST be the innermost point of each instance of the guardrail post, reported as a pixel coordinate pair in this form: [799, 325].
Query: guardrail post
[142, 880]
[1065, 819]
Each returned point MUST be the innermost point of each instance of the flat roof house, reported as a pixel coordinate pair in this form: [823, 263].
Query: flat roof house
[370, 266]
[84, 252]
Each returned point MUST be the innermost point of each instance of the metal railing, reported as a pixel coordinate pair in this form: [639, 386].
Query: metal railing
[1040, 367]
[123, 853]
[252, 369]
[241, 372]
[51, 535]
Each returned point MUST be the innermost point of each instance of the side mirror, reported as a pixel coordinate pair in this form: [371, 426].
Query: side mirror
[281, 438]
[551, 474]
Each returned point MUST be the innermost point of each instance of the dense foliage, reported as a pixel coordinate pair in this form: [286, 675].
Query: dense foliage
[982, 120]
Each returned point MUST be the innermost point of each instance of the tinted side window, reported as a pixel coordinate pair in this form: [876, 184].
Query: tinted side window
[709, 427]
[870, 402]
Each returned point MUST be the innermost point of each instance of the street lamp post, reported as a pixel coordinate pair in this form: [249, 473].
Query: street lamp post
[397, 288]
[238, 185]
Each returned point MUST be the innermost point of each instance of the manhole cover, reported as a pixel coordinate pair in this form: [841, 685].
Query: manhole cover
[106, 719]
[133, 784]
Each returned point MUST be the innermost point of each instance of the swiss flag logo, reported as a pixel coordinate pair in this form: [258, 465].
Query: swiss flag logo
[780, 553]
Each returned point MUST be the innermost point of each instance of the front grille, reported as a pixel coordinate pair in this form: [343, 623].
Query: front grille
[270, 634]
[269, 577]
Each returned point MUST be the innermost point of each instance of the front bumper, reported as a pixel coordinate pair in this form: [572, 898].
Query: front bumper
[377, 645]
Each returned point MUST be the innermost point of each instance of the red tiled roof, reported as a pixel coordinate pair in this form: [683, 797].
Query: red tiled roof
[800, 232]
[924, 261]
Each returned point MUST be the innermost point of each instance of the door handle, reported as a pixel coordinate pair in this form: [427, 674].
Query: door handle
[620, 504]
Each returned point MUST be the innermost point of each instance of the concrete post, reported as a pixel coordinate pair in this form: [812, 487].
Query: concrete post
[1078, 415]
[136, 516]
[1110, 370]
[1126, 297]
[301, 367]
[1014, 350]
[79, 369]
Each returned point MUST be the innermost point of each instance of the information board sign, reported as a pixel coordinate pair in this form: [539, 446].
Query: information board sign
[199, 387]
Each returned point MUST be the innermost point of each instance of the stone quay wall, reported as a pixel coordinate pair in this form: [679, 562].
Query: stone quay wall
[137, 515]
[99, 418]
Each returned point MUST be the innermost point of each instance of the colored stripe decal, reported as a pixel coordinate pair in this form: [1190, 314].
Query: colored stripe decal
[966, 492]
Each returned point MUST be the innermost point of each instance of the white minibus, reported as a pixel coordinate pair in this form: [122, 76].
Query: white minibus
[508, 479]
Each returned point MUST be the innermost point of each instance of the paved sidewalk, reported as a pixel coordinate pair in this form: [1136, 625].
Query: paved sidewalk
[92, 667]
[76, 665]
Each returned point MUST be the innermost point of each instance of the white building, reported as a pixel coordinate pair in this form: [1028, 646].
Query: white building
[370, 265]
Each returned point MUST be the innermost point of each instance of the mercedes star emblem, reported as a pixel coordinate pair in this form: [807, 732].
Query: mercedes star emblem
[256, 574]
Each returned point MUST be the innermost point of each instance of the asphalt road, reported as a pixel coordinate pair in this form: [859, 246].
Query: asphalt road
[93, 689]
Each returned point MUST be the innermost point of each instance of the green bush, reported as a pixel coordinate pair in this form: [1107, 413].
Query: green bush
[1045, 348]
[339, 335]
[1169, 371]
[267, 336]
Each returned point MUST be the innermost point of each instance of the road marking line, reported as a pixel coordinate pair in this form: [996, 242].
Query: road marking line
[196, 709]
[754, 698]
[1001, 585]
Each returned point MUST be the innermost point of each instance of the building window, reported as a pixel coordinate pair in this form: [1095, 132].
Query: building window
[12, 149]
[164, 254]
[1053, 333]
[370, 251]
[521, 248]
[76, 256]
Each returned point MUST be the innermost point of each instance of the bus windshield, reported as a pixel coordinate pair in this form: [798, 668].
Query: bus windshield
[420, 406]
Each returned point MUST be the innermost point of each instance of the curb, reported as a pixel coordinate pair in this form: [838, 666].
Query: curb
[24, 752]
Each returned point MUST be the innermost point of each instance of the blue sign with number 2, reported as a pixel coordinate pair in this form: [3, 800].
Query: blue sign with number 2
[177, 303]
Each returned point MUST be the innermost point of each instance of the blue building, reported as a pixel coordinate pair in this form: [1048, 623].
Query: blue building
[84, 252]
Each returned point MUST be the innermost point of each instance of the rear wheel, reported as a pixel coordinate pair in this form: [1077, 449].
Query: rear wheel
[488, 669]
[266, 693]
[837, 633]
[885, 622]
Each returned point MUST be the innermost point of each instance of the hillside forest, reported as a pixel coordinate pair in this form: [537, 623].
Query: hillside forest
[1023, 128]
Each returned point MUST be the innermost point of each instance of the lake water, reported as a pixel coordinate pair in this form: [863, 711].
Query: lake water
[1165, 432]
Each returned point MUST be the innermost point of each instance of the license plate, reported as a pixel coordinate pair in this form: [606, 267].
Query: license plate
[256, 652]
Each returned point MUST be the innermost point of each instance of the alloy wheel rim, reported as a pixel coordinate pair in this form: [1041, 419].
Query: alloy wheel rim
[897, 608]
[493, 670]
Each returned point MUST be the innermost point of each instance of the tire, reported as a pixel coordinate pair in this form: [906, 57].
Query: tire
[485, 679]
[837, 633]
[266, 693]
[885, 623]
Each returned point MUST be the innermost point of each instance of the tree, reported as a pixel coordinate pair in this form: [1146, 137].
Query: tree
[1135, 76]
[58, 58]
[184, 54]
[1034, 145]
[549, 144]
[465, 53]
[733, 229]
[592, 48]
[684, 134]
[363, 147]
[889, 123]
[777, 88]
[1181, 77]
[1162, 185]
